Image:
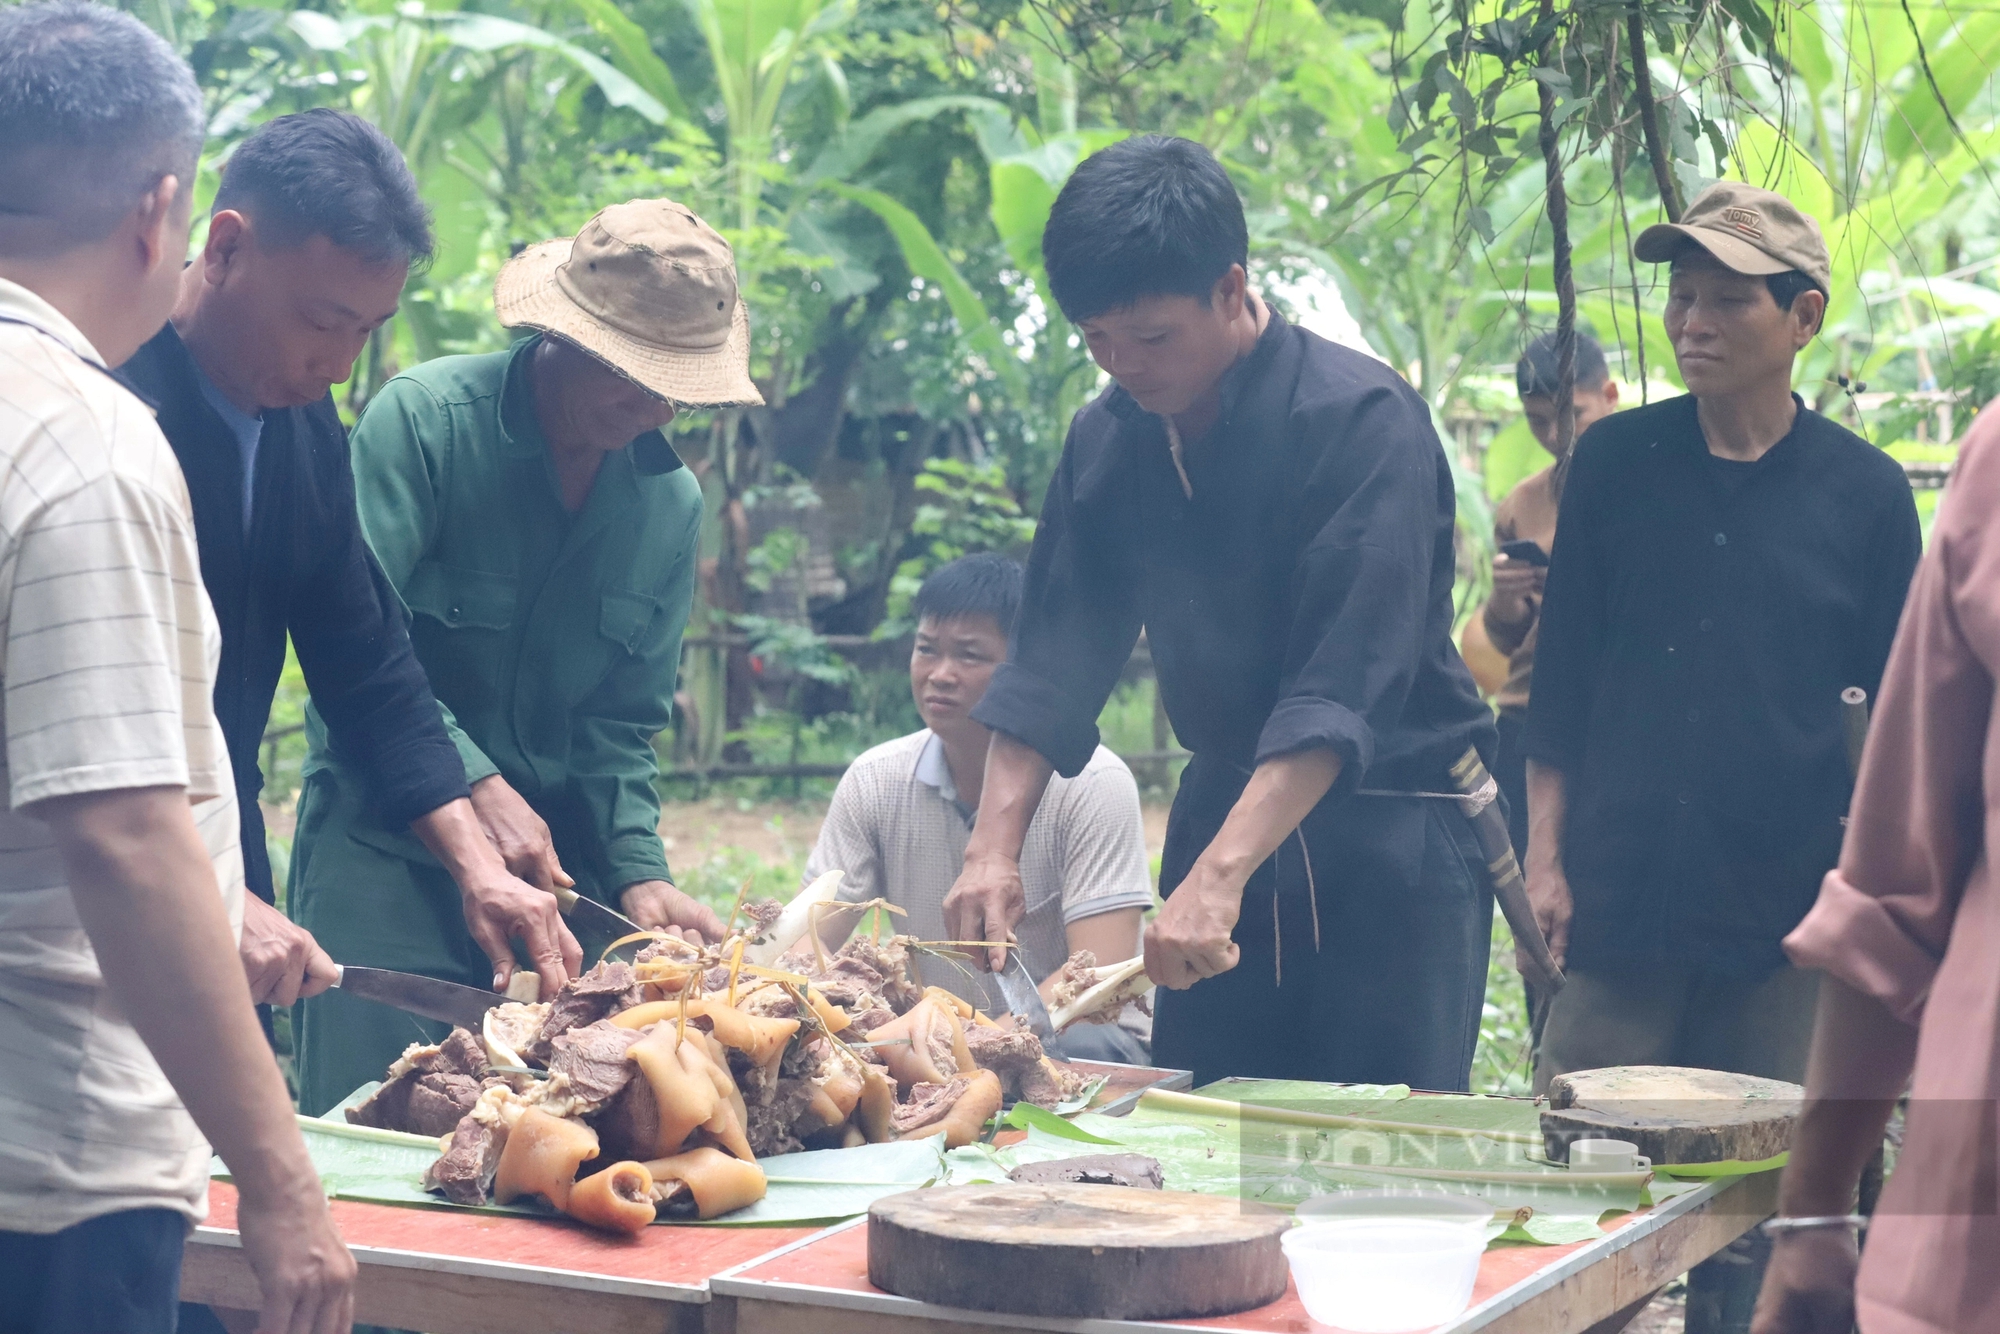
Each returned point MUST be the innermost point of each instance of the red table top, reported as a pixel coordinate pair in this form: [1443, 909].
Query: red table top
[664, 1253]
[839, 1260]
[665, 1256]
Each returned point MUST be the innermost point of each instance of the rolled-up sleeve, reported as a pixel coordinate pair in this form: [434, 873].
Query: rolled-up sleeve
[1885, 915]
[1363, 579]
[1079, 620]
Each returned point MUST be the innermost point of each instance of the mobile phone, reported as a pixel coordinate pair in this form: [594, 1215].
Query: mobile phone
[1522, 549]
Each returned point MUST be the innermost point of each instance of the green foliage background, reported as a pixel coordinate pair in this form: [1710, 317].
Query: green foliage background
[884, 167]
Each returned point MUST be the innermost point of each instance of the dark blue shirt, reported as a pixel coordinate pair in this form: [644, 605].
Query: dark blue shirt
[300, 567]
[1701, 619]
[248, 430]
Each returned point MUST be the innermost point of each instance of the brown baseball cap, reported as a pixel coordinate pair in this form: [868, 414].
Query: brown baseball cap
[1746, 229]
[647, 288]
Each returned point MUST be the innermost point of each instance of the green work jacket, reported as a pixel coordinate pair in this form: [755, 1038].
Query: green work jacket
[552, 639]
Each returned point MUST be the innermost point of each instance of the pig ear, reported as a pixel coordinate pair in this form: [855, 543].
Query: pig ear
[718, 1182]
[878, 1102]
[541, 1158]
[968, 1116]
[618, 1199]
[674, 1074]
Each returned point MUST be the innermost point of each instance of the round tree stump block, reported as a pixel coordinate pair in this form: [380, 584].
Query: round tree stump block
[1674, 1115]
[1108, 1252]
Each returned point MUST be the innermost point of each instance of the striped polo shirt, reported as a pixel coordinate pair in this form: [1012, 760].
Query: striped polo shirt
[108, 650]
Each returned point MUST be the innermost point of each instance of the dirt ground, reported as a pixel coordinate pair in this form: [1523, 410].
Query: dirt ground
[782, 830]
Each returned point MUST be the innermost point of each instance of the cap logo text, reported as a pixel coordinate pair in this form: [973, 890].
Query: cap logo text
[1744, 220]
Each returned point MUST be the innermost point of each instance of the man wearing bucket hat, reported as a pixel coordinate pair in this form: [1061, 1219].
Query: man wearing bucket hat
[1726, 564]
[542, 532]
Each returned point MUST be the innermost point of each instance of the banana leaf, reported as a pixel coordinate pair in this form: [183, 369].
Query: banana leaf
[827, 1185]
[817, 1186]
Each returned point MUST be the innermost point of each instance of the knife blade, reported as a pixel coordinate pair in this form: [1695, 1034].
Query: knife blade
[594, 925]
[447, 1002]
[1023, 999]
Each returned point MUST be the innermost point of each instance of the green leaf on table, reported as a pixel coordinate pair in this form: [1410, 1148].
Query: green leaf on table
[1732, 1167]
[823, 1185]
[1083, 1098]
[1027, 1116]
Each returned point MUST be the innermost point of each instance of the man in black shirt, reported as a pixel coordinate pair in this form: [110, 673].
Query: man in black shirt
[1276, 513]
[314, 229]
[1726, 563]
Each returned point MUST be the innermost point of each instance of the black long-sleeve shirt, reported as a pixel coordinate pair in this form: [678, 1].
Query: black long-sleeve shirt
[1300, 599]
[303, 568]
[1701, 619]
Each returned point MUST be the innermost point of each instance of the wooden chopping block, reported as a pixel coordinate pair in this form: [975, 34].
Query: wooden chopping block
[1674, 1115]
[1108, 1252]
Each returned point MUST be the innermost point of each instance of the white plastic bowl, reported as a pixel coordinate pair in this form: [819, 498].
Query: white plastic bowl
[1336, 1205]
[1384, 1275]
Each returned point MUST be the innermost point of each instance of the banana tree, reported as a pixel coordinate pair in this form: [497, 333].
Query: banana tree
[432, 82]
[755, 47]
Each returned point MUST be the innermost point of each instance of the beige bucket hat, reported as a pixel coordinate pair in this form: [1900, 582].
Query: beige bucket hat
[1749, 230]
[647, 288]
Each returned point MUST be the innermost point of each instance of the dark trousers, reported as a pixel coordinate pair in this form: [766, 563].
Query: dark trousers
[115, 1274]
[1393, 992]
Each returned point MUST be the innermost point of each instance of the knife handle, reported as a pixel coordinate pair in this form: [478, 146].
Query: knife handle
[565, 898]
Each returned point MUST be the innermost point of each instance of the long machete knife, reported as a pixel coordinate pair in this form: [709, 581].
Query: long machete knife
[594, 925]
[446, 1002]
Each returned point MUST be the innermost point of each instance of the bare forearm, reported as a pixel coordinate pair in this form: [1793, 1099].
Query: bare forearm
[1548, 805]
[1111, 937]
[1016, 778]
[1506, 633]
[1192, 937]
[1861, 1058]
[145, 892]
[1279, 795]
[455, 837]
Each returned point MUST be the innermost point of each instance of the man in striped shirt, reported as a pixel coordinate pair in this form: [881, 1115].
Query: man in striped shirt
[126, 1030]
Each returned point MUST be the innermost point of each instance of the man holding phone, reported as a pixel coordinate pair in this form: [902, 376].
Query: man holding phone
[1524, 532]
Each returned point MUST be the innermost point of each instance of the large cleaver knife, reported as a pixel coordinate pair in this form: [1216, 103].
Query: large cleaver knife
[446, 1002]
[1023, 998]
[594, 925]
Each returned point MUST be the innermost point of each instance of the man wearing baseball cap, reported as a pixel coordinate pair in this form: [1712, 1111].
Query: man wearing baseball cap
[542, 532]
[1726, 563]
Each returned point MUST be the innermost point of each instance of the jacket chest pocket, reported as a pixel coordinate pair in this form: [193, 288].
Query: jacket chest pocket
[623, 617]
[461, 599]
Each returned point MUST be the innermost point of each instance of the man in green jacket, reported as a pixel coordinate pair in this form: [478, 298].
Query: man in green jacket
[543, 534]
